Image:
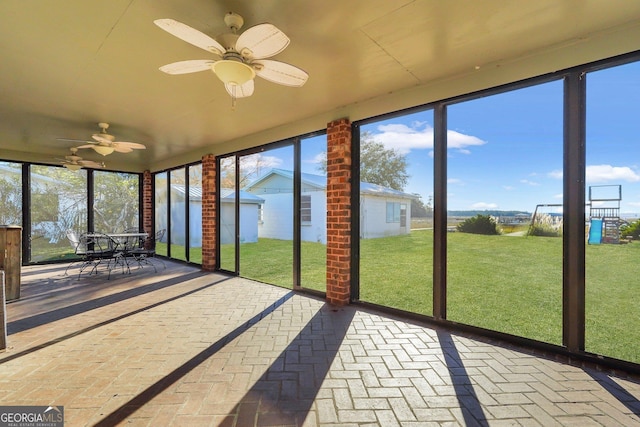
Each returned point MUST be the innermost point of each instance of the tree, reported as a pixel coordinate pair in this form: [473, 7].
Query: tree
[419, 209]
[379, 165]
[115, 205]
[252, 166]
[10, 200]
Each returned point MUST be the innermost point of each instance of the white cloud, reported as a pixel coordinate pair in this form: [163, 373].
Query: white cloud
[420, 136]
[508, 187]
[404, 138]
[317, 159]
[483, 205]
[556, 174]
[558, 196]
[460, 140]
[456, 181]
[531, 183]
[606, 173]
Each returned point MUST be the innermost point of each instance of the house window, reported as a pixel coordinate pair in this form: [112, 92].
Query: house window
[393, 212]
[261, 212]
[305, 208]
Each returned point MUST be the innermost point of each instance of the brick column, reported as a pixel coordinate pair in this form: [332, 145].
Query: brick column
[147, 202]
[209, 212]
[339, 212]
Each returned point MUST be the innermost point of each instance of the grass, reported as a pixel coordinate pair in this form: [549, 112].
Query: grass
[503, 283]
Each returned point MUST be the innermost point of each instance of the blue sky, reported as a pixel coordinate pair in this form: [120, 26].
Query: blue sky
[505, 150]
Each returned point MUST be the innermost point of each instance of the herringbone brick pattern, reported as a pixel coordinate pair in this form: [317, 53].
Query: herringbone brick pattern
[188, 348]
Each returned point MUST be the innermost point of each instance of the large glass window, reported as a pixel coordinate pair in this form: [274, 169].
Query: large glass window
[266, 246]
[504, 201]
[116, 201]
[195, 213]
[227, 213]
[178, 200]
[396, 212]
[58, 204]
[613, 213]
[10, 193]
[161, 210]
[313, 213]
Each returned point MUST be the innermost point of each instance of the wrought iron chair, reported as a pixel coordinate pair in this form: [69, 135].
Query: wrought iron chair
[79, 248]
[98, 247]
[146, 253]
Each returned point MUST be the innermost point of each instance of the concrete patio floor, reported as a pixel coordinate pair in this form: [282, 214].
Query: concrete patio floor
[182, 347]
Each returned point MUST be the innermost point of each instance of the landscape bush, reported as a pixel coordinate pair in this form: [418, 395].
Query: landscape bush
[479, 224]
[632, 229]
[546, 225]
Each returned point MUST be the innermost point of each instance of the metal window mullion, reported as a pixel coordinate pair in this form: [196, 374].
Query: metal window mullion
[297, 189]
[440, 212]
[187, 225]
[355, 212]
[573, 247]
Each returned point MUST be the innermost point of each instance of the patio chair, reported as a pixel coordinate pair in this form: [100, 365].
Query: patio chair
[99, 247]
[130, 244]
[146, 253]
[79, 248]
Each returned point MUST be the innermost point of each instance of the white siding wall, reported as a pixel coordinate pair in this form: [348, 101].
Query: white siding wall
[278, 217]
[248, 224]
[373, 217]
[316, 230]
[195, 224]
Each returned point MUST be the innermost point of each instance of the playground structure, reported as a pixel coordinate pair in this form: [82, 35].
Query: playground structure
[604, 214]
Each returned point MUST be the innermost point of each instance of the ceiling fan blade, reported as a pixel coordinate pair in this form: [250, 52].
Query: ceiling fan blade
[132, 145]
[261, 41]
[122, 149]
[101, 138]
[185, 67]
[190, 35]
[242, 91]
[72, 140]
[91, 164]
[280, 72]
[90, 145]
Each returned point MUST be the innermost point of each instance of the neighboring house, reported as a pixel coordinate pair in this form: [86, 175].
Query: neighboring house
[384, 211]
[249, 211]
[178, 193]
[250, 206]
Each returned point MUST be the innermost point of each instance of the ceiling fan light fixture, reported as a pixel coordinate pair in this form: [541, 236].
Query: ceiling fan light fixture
[233, 72]
[72, 166]
[103, 149]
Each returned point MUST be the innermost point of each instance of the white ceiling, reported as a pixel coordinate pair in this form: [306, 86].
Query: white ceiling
[69, 64]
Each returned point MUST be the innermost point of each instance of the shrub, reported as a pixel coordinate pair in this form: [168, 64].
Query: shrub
[632, 230]
[479, 224]
[546, 225]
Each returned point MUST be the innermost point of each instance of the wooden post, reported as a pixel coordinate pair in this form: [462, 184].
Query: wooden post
[11, 259]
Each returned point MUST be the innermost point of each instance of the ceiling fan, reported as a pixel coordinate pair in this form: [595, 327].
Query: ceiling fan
[237, 59]
[105, 143]
[75, 162]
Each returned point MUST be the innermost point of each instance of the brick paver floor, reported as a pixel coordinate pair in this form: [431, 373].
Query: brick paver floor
[187, 348]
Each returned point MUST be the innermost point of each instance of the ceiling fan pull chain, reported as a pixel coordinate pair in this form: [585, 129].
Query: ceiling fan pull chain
[233, 97]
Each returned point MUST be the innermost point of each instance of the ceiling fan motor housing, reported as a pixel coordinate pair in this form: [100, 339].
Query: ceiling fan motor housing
[233, 21]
